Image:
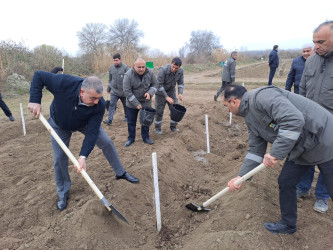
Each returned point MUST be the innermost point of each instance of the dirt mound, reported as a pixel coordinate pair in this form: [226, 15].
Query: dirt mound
[29, 219]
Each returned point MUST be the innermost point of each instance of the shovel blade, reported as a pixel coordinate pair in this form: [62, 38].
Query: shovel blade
[113, 209]
[116, 212]
[195, 208]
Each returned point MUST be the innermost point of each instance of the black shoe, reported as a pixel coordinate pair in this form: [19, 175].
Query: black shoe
[128, 177]
[174, 129]
[128, 143]
[62, 204]
[280, 228]
[11, 118]
[148, 141]
[215, 98]
[108, 122]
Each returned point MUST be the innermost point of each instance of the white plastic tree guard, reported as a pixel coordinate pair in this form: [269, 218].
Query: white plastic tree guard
[157, 194]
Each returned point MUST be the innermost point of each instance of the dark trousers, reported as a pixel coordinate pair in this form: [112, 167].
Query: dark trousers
[224, 85]
[271, 75]
[132, 116]
[160, 102]
[4, 107]
[290, 175]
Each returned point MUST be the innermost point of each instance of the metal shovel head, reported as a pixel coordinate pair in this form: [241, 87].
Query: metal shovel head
[113, 209]
[196, 208]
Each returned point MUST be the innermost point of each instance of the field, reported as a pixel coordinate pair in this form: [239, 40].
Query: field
[30, 220]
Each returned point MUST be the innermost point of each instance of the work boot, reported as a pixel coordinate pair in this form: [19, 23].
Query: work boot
[11, 118]
[108, 122]
[215, 98]
[158, 129]
[320, 206]
[300, 193]
[174, 129]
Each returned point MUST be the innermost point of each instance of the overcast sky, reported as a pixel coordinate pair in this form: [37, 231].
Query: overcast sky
[167, 25]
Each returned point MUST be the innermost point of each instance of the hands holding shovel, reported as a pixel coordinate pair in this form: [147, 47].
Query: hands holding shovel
[269, 161]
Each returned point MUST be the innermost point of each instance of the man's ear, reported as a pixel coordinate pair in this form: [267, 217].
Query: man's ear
[81, 92]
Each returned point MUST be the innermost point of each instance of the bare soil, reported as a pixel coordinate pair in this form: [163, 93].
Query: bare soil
[30, 220]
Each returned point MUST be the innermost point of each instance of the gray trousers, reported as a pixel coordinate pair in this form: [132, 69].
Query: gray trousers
[160, 102]
[113, 104]
[61, 174]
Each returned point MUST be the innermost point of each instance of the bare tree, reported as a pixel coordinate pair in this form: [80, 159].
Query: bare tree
[124, 34]
[92, 38]
[203, 42]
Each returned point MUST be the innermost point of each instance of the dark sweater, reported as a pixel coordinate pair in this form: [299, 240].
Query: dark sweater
[64, 109]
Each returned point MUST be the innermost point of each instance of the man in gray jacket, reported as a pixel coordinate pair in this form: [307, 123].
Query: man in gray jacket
[168, 76]
[228, 74]
[140, 84]
[316, 84]
[116, 76]
[297, 128]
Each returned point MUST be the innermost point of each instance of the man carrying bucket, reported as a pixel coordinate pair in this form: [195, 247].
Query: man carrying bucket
[168, 76]
[140, 84]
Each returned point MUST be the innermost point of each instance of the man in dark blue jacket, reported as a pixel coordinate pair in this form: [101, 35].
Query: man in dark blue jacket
[273, 63]
[78, 105]
[297, 67]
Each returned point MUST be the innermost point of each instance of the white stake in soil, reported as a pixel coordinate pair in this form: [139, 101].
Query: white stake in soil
[230, 119]
[242, 84]
[23, 122]
[207, 134]
[157, 193]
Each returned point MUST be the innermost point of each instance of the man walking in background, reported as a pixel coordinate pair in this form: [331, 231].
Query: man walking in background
[273, 63]
[115, 86]
[6, 110]
[228, 74]
[140, 84]
[316, 84]
[168, 76]
[297, 67]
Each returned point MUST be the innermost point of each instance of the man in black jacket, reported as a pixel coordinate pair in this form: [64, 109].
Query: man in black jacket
[273, 63]
[78, 105]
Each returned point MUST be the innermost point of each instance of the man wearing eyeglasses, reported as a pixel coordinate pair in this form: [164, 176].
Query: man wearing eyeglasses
[140, 84]
[78, 105]
[297, 128]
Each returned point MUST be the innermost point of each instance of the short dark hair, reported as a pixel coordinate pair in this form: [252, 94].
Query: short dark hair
[275, 46]
[328, 23]
[234, 90]
[117, 55]
[233, 53]
[176, 61]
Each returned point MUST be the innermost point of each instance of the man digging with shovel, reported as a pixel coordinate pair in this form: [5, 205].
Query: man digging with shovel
[78, 105]
[297, 128]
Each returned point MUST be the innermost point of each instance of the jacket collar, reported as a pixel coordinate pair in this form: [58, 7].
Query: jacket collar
[244, 105]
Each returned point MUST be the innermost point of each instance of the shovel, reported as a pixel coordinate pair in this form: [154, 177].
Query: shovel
[203, 207]
[83, 172]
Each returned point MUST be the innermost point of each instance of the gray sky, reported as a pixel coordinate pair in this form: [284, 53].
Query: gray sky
[167, 25]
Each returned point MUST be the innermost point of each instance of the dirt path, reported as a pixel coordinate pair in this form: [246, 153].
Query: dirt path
[29, 219]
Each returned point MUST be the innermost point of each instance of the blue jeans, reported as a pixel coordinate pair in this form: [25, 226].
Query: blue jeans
[290, 175]
[113, 104]
[132, 116]
[305, 185]
[61, 174]
[271, 75]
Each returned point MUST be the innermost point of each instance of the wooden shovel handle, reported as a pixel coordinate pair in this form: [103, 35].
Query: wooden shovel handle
[71, 156]
[239, 181]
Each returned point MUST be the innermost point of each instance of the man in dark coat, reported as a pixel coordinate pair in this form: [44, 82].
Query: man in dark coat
[273, 63]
